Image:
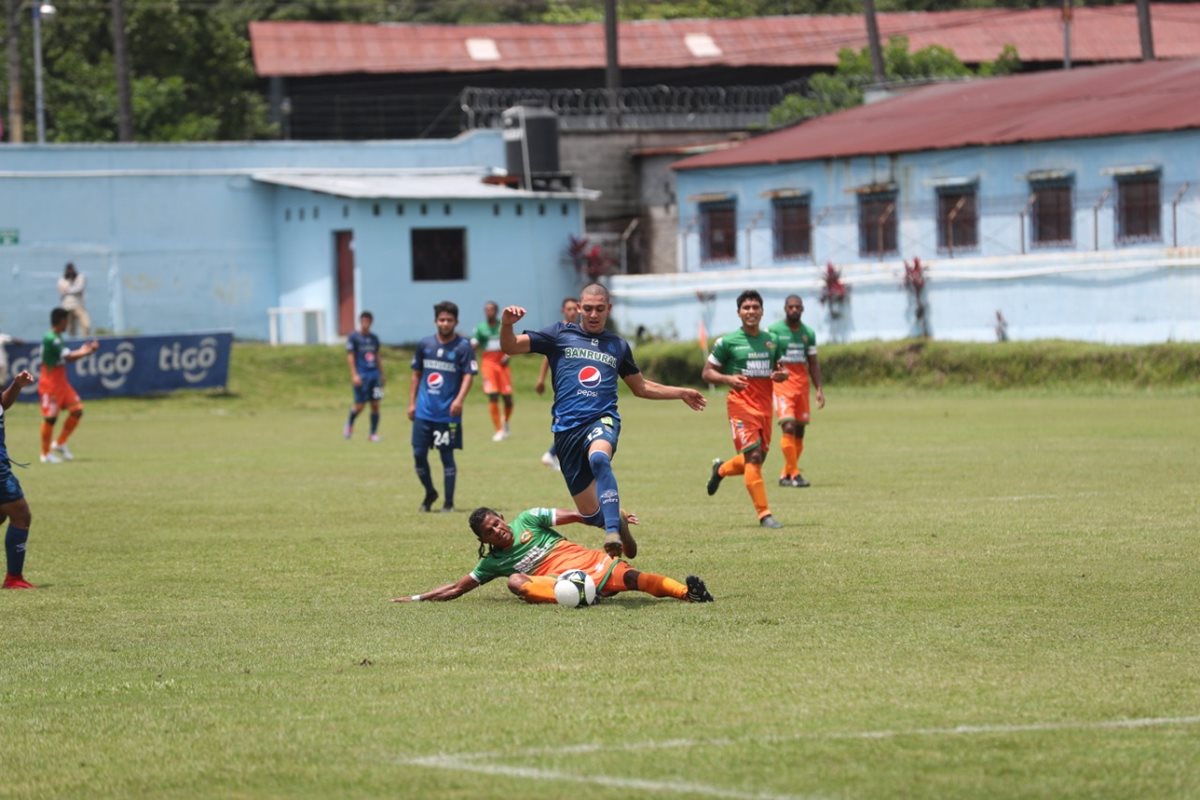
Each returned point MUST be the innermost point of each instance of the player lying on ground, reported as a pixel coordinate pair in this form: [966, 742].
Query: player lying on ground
[531, 554]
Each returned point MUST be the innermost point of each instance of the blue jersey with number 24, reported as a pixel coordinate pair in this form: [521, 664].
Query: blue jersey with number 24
[442, 366]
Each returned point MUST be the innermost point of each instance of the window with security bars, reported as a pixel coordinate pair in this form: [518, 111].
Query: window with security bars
[439, 254]
[958, 221]
[1052, 213]
[793, 227]
[877, 223]
[718, 232]
[1139, 208]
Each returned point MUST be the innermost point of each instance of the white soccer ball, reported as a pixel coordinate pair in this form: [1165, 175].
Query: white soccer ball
[575, 589]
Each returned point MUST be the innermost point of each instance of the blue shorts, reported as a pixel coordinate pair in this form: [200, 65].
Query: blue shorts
[573, 446]
[428, 435]
[10, 490]
[370, 390]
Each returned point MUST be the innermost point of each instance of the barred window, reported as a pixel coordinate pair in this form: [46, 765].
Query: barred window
[718, 231]
[1139, 208]
[958, 221]
[1052, 213]
[439, 254]
[793, 227]
[877, 223]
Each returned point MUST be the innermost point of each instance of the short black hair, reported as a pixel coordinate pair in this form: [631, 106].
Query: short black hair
[447, 307]
[367, 315]
[596, 288]
[58, 315]
[792, 297]
[749, 294]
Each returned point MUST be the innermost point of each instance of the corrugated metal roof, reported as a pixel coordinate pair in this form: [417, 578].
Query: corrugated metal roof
[1107, 33]
[404, 184]
[1066, 104]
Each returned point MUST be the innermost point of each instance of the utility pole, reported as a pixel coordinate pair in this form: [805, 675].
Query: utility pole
[121, 63]
[16, 105]
[1066, 18]
[612, 72]
[873, 42]
[1144, 30]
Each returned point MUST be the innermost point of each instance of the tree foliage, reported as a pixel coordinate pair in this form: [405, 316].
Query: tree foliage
[829, 92]
[193, 77]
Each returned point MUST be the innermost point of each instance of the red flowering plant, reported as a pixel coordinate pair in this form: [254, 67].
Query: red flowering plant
[835, 294]
[590, 260]
[916, 280]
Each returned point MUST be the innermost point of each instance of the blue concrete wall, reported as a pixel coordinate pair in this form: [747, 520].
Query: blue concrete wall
[1095, 289]
[180, 237]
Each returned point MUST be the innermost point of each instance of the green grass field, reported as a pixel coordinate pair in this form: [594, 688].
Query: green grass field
[982, 595]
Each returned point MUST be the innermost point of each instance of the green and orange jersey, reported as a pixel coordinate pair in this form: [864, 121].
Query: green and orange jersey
[486, 338]
[534, 538]
[753, 357]
[54, 361]
[797, 346]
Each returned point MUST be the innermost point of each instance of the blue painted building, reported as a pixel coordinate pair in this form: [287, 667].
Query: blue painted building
[1069, 201]
[283, 239]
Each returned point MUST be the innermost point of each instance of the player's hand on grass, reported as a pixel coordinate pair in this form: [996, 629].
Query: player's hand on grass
[511, 315]
[408, 598]
[630, 517]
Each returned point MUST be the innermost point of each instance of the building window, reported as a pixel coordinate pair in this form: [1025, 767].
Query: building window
[316, 212]
[399, 209]
[793, 227]
[520, 209]
[718, 231]
[424, 209]
[345, 211]
[541, 209]
[287, 215]
[301, 214]
[565, 209]
[958, 219]
[1052, 213]
[877, 223]
[375, 209]
[446, 209]
[439, 254]
[495, 209]
[1139, 208]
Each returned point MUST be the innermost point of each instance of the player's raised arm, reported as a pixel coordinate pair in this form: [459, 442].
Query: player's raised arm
[510, 342]
[83, 351]
[449, 591]
[650, 390]
[9, 395]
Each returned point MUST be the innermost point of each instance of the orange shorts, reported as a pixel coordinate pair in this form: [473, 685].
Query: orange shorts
[791, 403]
[56, 395]
[568, 555]
[750, 432]
[497, 377]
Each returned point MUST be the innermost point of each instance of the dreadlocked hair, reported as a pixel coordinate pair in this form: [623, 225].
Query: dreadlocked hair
[476, 522]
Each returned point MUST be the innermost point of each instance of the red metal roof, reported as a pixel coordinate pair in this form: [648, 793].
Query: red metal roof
[1106, 33]
[1065, 104]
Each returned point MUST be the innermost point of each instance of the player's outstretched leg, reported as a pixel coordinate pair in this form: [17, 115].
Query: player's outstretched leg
[697, 592]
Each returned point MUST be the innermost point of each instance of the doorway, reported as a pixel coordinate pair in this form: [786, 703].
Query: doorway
[344, 250]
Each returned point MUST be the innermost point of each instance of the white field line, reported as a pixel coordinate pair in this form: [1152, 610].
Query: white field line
[455, 764]
[469, 762]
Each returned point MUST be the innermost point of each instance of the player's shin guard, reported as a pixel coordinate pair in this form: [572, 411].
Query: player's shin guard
[734, 466]
[374, 422]
[69, 426]
[606, 489]
[422, 462]
[536, 591]
[758, 492]
[660, 586]
[14, 549]
[787, 443]
[449, 474]
[353, 416]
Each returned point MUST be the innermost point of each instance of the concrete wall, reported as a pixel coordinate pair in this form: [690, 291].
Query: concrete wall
[178, 238]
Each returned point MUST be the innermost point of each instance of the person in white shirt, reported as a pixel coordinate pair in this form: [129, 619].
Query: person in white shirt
[70, 289]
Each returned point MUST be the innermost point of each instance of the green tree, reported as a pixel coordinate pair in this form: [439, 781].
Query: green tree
[844, 87]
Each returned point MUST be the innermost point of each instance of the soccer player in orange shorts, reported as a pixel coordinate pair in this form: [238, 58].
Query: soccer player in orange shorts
[799, 358]
[497, 376]
[55, 390]
[531, 554]
[747, 362]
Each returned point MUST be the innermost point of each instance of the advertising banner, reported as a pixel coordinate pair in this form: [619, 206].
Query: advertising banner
[135, 365]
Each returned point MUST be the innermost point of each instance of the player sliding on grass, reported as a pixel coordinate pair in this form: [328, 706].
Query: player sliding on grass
[586, 360]
[531, 554]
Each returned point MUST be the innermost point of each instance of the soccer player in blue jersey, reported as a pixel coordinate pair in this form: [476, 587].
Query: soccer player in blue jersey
[442, 370]
[586, 360]
[366, 374]
[13, 506]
